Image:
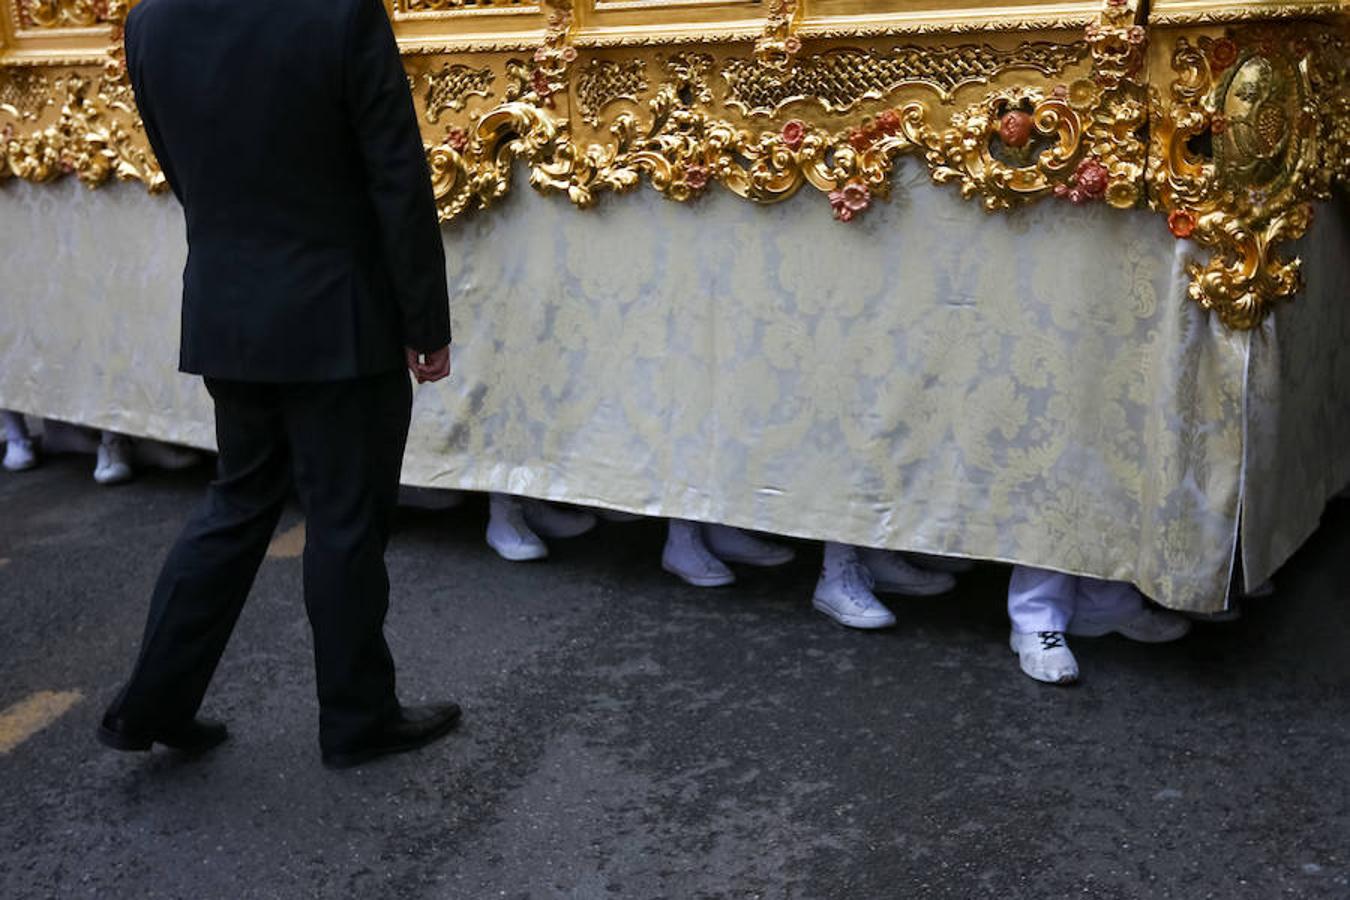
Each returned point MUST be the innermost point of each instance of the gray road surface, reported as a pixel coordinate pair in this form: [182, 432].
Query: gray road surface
[629, 737]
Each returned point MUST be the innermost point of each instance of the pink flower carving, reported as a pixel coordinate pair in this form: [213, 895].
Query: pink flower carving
[696, 177]
[794, 133]
[539, 81]
[851, 199]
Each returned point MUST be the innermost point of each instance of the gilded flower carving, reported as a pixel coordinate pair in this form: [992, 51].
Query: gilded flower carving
[1247, 129]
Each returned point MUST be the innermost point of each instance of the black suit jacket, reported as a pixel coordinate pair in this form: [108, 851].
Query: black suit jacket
[287, 130]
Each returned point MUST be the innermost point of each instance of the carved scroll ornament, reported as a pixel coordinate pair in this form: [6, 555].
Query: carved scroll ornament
[1230, 131]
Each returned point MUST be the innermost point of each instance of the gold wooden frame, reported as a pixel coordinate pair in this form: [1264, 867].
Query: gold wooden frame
[1229, 119]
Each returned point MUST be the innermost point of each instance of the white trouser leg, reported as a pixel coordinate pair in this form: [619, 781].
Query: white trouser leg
[1113, 600]
[1039, 600]
[837, 558]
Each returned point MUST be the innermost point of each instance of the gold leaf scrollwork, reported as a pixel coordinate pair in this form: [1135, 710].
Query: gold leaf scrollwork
[64, 13]
[95, 136]
[1234, 141]
[1252, 131]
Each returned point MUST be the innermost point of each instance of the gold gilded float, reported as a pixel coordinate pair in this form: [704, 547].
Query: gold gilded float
[1229, 119]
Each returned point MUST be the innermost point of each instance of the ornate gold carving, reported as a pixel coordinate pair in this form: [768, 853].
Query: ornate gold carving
[63, 13]
[451, 86]
[1252, 130]
[1224, 14]
[604, 81]
[1247, 128]
[778, 46]
[85, 141]
[24, 93]
[416, 6]
[840, 79]
[95, 136]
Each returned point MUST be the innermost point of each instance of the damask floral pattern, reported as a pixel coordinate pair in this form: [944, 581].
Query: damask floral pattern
[1032, 388]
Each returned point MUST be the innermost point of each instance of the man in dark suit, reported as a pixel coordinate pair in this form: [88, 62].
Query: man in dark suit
[315, 279]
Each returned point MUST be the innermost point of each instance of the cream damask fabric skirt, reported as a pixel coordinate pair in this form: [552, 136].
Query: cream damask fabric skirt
[1031, 387]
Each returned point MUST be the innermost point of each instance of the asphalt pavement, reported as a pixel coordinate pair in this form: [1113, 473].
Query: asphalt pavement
[626, 736]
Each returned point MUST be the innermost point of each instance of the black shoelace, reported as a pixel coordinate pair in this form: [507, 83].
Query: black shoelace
[1051, 639]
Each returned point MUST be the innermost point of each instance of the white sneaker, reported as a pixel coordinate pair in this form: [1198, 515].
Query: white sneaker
[114, 461]
[1045, 656]
[893, 575]
[157, 455]
[508, 534]
[844, 593]
[1144, 624]
[20, 456]
[955, 565]
[548, 520]
[687, 557]
[736, 546]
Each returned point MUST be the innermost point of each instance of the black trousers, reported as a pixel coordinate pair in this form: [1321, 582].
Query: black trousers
[340, 445]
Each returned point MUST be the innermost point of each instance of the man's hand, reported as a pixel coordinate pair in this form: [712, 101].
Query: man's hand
[429, 367]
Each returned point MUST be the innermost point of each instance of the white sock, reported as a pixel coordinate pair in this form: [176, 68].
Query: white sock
[838, 557]
[684, 534]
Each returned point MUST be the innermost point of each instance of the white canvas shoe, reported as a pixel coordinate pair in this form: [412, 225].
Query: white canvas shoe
[1045, 656]
[1143, 624]
[687, 557]
[893, 575]
[548, 520]
[954, 565]
[20, 456]
[844, 592]
[114, 461]
[508, 534]
[736, 546]
[157, 455]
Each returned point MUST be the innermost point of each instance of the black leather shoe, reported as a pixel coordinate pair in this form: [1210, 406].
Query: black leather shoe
[415, 727]
[195, 736]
